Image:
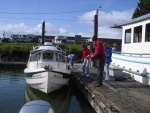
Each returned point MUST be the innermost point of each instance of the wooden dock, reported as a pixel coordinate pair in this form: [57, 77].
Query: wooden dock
[126, 96]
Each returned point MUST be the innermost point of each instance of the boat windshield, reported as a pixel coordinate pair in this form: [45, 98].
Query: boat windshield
[48, 56]
[54, 56]
[35, 57]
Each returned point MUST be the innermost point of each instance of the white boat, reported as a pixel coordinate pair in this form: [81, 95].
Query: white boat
[37, 106]
[47, 68]
[134, 57]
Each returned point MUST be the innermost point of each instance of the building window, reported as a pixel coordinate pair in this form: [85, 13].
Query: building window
[137, 34]
[147, 33]
[128, 36]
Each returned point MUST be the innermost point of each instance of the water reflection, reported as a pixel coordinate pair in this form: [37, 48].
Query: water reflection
[65, 100]
[12, 86]
[14, 91]
[59, 100]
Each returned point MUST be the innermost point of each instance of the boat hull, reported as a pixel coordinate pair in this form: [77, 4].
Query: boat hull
[133, 63]
[47, 82]
[137, 67]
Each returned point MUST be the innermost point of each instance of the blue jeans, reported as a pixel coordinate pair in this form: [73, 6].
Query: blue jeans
[107, 71]
[85, 67]
[71, 61]
[71, 58]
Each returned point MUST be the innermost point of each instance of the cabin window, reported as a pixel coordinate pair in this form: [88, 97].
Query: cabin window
[147, 34]
[137, 34]
[128, 36]
[48, 56]
[60, 58]
[35, 57]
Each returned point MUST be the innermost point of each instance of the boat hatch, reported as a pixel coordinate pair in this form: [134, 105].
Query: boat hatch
[47, 44]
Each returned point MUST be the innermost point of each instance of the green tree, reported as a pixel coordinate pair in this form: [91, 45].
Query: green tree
[143, 7]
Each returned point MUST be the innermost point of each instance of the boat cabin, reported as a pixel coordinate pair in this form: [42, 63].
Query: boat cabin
[47, 55]
[136, 35]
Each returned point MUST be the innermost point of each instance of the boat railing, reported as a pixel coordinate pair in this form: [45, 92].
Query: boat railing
[132, 54]
[145, 74]
[35, 47]
[64, 55]
[0, 58]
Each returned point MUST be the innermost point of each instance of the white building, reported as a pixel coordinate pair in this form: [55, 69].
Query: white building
[61, 38]
[22, 37]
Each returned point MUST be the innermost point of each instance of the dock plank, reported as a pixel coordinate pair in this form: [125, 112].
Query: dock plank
[116, 96]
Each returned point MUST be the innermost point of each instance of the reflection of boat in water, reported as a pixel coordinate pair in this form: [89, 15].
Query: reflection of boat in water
[65, 100]
[59, 100]
[47, 68]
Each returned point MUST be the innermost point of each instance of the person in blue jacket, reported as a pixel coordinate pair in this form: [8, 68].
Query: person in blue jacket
[71, 58]
[108, 53]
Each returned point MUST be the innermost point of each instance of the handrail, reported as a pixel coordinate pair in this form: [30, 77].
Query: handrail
[58, 60]
[130, 53]
[0, 58]
[134, 72]
[63, 56]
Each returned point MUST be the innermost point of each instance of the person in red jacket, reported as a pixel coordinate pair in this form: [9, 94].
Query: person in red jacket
[85, 59]
[99, 54]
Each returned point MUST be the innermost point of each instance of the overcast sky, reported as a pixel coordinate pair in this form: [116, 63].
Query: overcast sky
[64, 16]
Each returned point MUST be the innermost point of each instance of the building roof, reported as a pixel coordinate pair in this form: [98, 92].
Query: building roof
[87, 36]
[135, 20]
[73, 35]
[108, 37]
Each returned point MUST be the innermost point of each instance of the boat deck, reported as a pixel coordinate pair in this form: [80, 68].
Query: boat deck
[126, 96]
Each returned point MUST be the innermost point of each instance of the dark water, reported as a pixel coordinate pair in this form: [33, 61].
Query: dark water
[14, 93]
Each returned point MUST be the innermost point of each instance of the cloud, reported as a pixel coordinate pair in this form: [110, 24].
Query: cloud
[22, 28]
[106, 20]
[62, 30]
[109, 32]
[87, 17]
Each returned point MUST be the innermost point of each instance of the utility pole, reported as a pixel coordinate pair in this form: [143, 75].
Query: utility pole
[93, 62]
[43, 32]
[96, 23]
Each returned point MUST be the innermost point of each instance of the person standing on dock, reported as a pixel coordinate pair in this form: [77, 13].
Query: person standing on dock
[99, 54]
[86, 60]
[71, 58]
[108, 53]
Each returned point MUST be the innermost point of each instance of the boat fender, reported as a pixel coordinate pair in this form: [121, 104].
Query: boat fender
[37, 106]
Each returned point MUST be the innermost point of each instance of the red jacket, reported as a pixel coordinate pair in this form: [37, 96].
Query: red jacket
[86, 52]
[99, 50]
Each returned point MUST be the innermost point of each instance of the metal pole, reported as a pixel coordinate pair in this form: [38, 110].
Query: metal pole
[93, 63]
[96, 24]
[43, 32]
